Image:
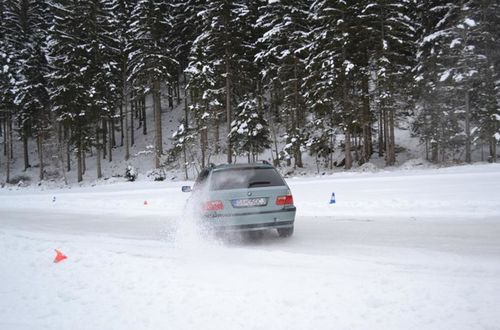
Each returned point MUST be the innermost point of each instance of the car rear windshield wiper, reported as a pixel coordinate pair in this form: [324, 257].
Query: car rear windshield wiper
[258, 183]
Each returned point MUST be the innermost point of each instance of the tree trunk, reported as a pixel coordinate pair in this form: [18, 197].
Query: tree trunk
[385, 122]
[98, 156]
[381, 142]
[348, 156]
[104, 138]
[125, 115]
[186, 124]
[391, 152]
[356, 148]
[143, 109]
[68, 154]
[79, 162]
[133, 108]
[157, 114]
[122, 132]
[170, 97]
[297, 115]
[186, 177]
[228, 109]
[367, 123]
[11, 139]
[25, 149]
[493, 150]
[60, 151]
[434, 152]
[39, 140]
[467, 129]
[204, 143]
[493, 144]
[4, 132]
[332, 145]
[84, 162]
[8, 147]
[112, 129]
[217, 134]
[110, 141]
[275, 138]
[178, 88]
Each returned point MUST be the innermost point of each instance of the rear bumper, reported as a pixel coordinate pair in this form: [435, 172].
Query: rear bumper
[251, 221]
[257, 226]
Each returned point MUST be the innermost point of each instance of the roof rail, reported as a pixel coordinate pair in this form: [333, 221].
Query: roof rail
[263, 161]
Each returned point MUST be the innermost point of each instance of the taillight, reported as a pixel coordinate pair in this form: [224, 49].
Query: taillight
[284, 200]
[213, 206]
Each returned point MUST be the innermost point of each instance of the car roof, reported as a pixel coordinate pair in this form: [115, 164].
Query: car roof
[223, 167]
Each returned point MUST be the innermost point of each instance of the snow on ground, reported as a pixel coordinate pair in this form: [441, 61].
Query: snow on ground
[414, 249]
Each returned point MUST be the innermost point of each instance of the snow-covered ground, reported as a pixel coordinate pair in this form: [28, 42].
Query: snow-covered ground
[405, 249]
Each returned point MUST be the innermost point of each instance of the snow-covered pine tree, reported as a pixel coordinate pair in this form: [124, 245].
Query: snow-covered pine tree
[430, 121]
[455, 69]
[246, 81]
[103, 94]
[82, 91]
[283, 49]
[26, 23]
[186, 28]
[205, 104]
[200, 79]
[8, 90]
[330, 75]
[185, 145]
[462, 62]
[152, 60]
[486, 98]
[218, 49]
[121, 11]
[391, 44]
[249, 130]
[66, 91]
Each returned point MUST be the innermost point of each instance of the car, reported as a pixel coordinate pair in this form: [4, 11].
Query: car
[243, 197]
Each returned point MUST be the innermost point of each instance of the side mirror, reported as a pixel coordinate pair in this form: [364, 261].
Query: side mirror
[186, 189]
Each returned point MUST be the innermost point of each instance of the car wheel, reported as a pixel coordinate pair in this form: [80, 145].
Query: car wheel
[285, 232]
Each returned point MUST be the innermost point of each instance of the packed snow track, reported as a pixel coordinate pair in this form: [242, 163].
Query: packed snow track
[414, 249]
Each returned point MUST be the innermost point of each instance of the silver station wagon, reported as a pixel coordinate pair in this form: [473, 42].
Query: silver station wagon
[243, 197]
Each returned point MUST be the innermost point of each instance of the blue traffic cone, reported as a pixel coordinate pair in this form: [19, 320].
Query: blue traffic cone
[332, 200]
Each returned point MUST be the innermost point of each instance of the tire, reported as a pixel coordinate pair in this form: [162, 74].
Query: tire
[285, 232]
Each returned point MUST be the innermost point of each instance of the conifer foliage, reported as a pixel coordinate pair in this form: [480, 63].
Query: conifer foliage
[330, 79]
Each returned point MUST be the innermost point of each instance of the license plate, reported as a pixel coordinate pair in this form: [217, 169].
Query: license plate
[249, 202]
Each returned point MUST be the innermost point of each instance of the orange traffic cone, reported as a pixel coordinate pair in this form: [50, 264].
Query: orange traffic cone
[59, 256]
[145, 202]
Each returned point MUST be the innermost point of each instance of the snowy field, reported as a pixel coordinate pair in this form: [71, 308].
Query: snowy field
[405, 249]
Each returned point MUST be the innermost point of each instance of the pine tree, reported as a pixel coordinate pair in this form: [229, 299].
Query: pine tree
[122, 18]
[151, 55]
[205, 102]
[218, 48]
[392, 38]
[331, 70]
[8, 88]
[26, 23]
[486, 98]
[249, 130]
[283, 53]
[82, 91]
[456, 73]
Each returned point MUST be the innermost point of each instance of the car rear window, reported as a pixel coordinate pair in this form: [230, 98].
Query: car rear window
[245, 177]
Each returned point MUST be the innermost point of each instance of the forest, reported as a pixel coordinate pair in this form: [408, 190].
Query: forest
[289, 77]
